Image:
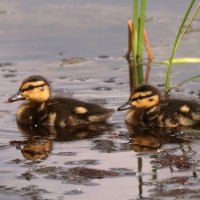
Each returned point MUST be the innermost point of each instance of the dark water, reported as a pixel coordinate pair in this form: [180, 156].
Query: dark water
[78, 46]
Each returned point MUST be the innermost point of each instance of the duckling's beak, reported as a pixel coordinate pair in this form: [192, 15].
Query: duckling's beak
[16, 97]
[125, 106]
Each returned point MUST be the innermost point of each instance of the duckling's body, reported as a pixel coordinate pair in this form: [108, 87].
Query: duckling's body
[41, 109]
[61, 112]
[147, 109]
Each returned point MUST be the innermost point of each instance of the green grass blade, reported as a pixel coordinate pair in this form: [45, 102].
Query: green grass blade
[189, 79]
[140, 73]
[188, 25]
[168, 72]
[140, 40]
[141, 30]
[182, 60]
[135, 25]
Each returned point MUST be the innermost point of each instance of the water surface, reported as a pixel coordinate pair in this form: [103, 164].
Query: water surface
[79, 47]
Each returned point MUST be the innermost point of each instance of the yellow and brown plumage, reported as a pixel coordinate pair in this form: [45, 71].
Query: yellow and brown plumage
[147, 109]
[42, 109]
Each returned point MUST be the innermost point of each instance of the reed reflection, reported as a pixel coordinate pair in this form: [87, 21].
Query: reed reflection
[136, 74]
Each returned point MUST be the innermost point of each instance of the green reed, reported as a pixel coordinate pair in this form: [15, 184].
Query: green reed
[139, 7]
[177, 41]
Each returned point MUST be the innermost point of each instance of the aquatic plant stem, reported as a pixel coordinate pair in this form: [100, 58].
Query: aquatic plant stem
[130, 42]
[147, 46]
[140, 40]
[135, 35]
[189, 79]
[130, 38]
[168, 71]
[141, 30]
[188, 25]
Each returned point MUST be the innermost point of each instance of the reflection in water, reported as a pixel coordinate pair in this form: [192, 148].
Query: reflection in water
[150, 140]
[40, 139]
[133, 75]
[69, 133]
[140, 182]
[35, 148]
[136, 76]
[141, 139]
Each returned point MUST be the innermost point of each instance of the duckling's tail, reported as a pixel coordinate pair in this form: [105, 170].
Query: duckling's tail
[101, 117]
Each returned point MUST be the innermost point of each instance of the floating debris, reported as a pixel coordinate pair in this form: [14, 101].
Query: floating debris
[103, 57]
[102, 88]
[80, 175]
[65, 154]
[177, 179]
[82, 162]
[170, 160]
[74, 192]
[105, 145]
[91, 173]
[73, 61]
[28, 175]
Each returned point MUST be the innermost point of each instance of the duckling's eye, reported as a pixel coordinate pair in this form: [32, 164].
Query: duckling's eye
[140, 97]
[31, 87]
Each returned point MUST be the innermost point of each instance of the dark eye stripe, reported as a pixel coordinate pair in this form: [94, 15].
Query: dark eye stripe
[141, 97]
[31, 87]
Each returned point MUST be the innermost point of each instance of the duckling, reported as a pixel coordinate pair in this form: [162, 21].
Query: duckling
[147, 109]
[42, 109]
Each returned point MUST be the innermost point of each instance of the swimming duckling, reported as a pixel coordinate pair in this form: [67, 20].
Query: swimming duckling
[42, 109]
[147, 109]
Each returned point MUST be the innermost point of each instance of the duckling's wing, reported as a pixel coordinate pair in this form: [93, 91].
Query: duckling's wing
[190, 109]
[83, 111]
[91, 112]
[182, 112]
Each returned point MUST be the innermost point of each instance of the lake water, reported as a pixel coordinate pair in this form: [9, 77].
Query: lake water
[79, 46]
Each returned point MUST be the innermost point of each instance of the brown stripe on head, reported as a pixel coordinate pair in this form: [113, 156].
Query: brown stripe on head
[35, 78]
[145, 96]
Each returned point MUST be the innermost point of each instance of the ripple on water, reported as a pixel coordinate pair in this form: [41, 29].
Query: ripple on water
[73, 61]
[74, 192]
[102, 88]
[6, 64]
[103, 58]
[82, 162]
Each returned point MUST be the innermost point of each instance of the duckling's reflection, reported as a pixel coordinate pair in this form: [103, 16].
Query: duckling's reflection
[63, 134]
[151, 139]
[40, 138]
[34, 148]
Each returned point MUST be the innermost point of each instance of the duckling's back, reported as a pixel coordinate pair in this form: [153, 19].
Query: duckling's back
[175, 112]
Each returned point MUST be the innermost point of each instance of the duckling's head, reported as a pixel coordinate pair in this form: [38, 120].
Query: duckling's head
[143, 97]
[34, 88]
